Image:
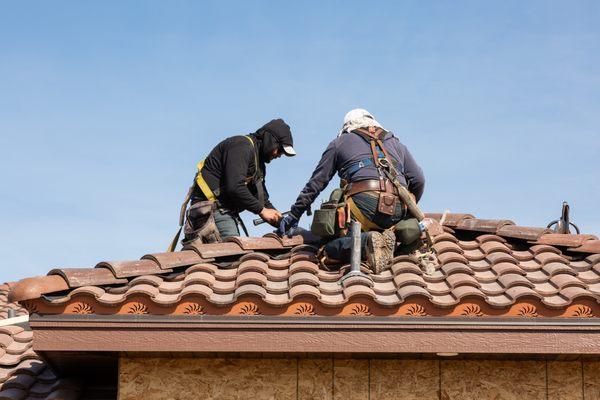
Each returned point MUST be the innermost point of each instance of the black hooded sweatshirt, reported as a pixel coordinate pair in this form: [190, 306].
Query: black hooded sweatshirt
[232, 172]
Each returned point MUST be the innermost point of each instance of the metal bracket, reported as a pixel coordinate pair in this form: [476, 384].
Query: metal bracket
[562, 224]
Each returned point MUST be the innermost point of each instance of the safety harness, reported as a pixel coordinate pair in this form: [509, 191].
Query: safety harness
[256, 179]
[380, 159]
[388, 170]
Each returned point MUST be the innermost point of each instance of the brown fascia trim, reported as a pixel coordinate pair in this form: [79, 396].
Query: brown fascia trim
[346, 335]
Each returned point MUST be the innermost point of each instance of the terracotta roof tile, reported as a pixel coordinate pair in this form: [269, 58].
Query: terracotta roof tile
[558, 239]
[554, 268]
[76, 277]
[507, 267]
[485, 238]
[358, 290]
[525, 255]
[546, 288]
[589, 276]
[409, 279]
[357, 280]
[563, 280]
[445, 237]
[543, 248]
[445, 246]
[127, 269]
[481, 263]
[23, 374]
[438, 288]
[591, 246]
[464, 291]
[494, 246]
[454, 267]
[251, 277]
[517, 292]
[548, 257]
[461, 279]
[482, 225]
[6, 306]
[214, 250]
[556, 301]
[521, 232]
[412, 290]
[304, 289]
[446, 300]
[264, 243]
[485, 276]
[451, 257]
[573, 292]
[491, 288]
[500, 257]
[510, 280]
[538, 276]
[474, 254]
[176, 259]
[451, 219]
[531, 265]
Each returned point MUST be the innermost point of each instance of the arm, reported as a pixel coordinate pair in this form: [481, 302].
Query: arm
[236, 163]
[318, 181]
[414, 175]
[268, 203]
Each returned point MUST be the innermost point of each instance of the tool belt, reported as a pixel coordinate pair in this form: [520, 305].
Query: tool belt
[387, 191]
[371, 185]
[200, 223]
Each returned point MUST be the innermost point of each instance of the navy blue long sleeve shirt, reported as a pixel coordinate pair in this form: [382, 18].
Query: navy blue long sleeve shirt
[348, 149]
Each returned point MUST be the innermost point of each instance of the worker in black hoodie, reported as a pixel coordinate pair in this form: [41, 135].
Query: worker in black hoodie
[230, 180]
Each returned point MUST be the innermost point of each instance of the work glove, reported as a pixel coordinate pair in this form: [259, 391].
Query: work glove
[286, 224]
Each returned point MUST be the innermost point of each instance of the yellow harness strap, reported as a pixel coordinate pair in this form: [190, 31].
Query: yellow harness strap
[366, 224]
[203, 185]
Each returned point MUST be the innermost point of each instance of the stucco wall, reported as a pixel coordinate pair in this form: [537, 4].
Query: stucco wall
[348, 379]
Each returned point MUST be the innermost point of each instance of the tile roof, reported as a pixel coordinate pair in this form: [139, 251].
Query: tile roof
[5, 305]
[488, 267]
[23, 374]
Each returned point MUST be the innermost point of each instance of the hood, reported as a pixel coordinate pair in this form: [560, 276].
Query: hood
[272, 135]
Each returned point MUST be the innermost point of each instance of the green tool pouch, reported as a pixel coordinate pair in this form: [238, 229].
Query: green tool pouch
[328, 220]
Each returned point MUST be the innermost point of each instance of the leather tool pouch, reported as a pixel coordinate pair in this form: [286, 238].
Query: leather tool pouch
[387, 203]
[200, 223]
[328, 220]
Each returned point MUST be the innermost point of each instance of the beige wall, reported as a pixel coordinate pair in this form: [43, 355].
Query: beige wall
[348, 379]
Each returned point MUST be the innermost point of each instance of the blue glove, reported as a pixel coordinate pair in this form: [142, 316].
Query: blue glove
[286, 224]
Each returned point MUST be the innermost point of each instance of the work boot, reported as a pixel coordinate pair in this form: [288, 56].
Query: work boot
[380, 250]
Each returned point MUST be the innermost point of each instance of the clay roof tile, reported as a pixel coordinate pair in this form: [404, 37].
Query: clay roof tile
[566, 240]
[521, 232]
[175, 259]
[482, 225]
[76, 277]
[126, 269]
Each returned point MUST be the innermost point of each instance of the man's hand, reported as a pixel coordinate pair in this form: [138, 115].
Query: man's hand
[287, 223]
[271, 216]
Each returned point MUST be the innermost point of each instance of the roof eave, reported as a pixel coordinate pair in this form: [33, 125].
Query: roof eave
[345, 335]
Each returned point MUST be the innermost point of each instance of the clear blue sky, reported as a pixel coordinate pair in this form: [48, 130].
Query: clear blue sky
[105, 108]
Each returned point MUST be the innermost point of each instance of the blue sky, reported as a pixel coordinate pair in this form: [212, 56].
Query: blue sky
[105, 108]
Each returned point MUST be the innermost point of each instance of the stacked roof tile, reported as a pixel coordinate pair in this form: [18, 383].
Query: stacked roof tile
[23, 374]
[493, 264]
[6, 306]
